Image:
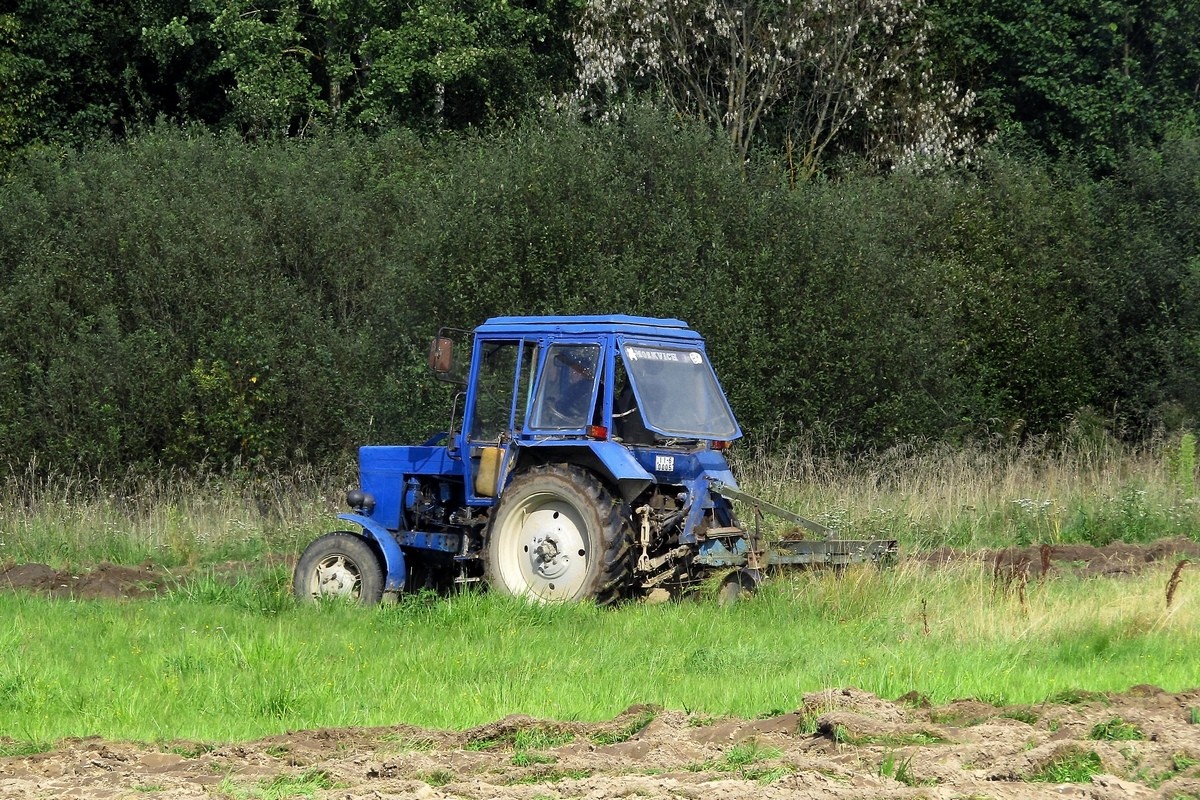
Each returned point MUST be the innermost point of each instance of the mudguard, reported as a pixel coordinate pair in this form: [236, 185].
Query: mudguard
[623, 469]
[612, 460]
[393, 557]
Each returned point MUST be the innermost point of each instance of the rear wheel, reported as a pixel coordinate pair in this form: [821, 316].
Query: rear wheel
[339, 566]
[558, 534]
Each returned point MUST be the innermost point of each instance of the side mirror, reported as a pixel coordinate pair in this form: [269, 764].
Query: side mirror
[444, 359]
[441, 356]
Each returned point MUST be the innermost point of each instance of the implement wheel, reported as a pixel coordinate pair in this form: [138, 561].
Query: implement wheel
[739, 585]
[339, 566]
[558, 534]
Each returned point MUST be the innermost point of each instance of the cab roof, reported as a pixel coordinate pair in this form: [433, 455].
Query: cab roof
[588, 325]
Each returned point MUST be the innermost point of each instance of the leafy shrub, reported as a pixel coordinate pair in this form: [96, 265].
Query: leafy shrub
[191, 300]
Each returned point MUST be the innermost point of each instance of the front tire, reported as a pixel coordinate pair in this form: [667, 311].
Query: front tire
[339, 566]
[558, 535]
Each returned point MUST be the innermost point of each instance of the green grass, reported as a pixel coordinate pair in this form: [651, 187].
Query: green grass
[545, 774]
[277, 788]
[16, 748]
[222, 660]
[1116, 730]
[628, 731]
[1093, 490]
[250, 663]
[745, 759]
[169, 520]
[900, 769]
[1097, 491]
[1072, 767]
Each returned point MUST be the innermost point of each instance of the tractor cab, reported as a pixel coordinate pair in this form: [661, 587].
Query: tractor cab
[584, 390]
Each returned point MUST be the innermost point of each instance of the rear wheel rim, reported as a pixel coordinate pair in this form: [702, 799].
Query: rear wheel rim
[543, 549]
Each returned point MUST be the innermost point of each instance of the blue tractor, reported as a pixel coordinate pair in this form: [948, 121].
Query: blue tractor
[587, 464]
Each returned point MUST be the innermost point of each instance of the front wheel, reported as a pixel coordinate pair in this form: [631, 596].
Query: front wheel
[340, 566]
[558, 534]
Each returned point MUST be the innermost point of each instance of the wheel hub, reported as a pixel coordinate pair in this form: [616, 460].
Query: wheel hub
[546, 558]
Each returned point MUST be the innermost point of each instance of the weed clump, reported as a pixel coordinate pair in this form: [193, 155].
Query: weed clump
[1173, 582]
[1074, 766]
[1116, 730]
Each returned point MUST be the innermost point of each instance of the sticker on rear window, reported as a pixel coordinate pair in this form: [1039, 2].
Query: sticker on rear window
[648, 354]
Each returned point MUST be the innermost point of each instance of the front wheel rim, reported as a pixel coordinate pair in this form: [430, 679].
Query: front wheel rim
[543, 549]
[336, 576]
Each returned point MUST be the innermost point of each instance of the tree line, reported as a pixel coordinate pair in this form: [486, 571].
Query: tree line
[229, 227]
[813, 80]
[188, 299]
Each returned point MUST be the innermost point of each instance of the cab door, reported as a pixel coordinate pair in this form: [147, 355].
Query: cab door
[496, 407]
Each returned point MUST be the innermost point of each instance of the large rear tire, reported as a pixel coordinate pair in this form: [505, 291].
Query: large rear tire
[559, 535]
[339, 566]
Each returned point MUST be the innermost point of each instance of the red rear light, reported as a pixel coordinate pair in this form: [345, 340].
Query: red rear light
[598, 432]
[719, 445]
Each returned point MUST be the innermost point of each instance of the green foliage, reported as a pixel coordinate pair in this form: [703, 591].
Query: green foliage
[1026, 715]
[140, 670]
[203, 303]
[17, 748]
[1184, 463]
[540, 739]
[437, 777]
[524, 758]
[900, 770]
[628, 731]
[277, 788]
[1073, 79]
[1074, 697]
[1077, 81]
[745, 759]
[74, 71]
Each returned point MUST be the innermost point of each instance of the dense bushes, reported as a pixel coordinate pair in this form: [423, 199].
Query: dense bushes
[186, 298]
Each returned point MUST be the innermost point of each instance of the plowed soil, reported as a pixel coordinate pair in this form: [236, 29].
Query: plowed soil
[862, 747]
[839, 743]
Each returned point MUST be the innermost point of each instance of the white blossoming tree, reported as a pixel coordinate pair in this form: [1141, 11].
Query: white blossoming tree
[815, 74]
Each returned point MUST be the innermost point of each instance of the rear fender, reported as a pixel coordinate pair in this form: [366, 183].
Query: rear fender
[393, 556]
[622, 468]
[610, 460]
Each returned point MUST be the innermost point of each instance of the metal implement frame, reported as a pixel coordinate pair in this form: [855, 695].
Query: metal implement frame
[763, 506]
[799, 553]
[749, 550]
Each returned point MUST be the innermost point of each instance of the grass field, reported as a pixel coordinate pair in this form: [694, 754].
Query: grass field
[220, 662]
[214, 661]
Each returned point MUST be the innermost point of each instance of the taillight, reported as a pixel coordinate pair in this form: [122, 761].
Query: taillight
[598, 432]
[719, 445]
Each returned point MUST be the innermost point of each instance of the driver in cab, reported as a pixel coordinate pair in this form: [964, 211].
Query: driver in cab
[570, 399]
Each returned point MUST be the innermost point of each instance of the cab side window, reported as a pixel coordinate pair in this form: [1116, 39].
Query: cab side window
[567, 387]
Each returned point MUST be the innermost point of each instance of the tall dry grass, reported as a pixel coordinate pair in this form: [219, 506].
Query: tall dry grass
[1092, 489]
[169, 518]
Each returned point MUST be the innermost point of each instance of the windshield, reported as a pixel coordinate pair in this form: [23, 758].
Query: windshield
[677, 392]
